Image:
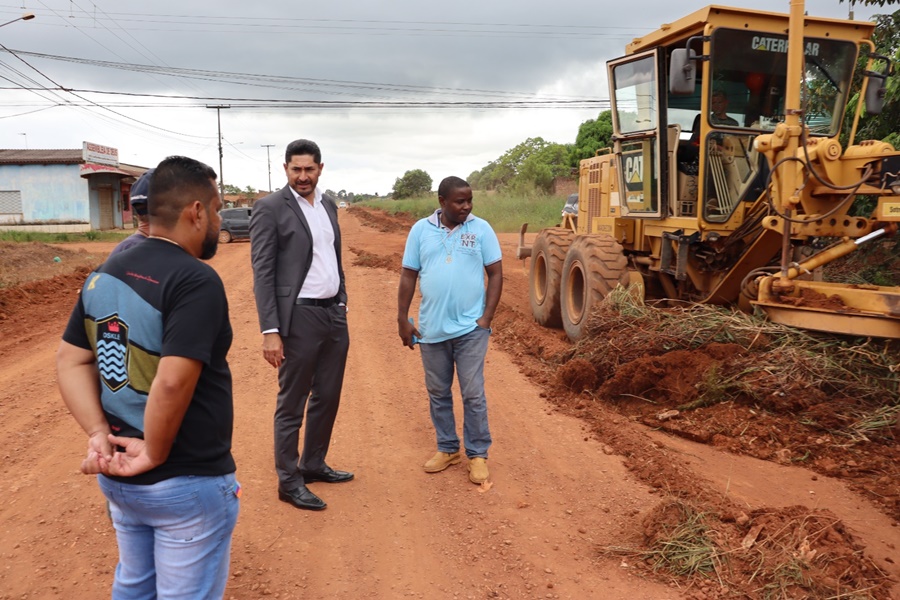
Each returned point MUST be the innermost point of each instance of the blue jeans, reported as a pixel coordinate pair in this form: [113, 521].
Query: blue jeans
[174, 536]
[466, 353]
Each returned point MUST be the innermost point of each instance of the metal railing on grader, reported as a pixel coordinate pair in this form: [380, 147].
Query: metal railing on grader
[717, 215]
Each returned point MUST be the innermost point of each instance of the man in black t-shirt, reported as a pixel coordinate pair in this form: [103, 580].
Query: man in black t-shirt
[142, 368]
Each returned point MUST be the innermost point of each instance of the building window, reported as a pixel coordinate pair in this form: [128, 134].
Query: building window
[10, 205]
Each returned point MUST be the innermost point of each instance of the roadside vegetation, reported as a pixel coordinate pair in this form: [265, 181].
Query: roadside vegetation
[738, 382]
[875, 264]
[813, 366]
[505, 211]
[58, 238]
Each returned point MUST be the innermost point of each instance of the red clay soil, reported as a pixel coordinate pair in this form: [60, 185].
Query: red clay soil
[792, 427]
[800, 550]
[813, 299]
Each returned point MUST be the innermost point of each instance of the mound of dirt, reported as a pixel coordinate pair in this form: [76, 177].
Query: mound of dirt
[15, 300]
[793, 552]
[727, 394]
[577, 375]
[21, 263]
[673, 378]
[374, 261]
[759, 396]
[383, 221]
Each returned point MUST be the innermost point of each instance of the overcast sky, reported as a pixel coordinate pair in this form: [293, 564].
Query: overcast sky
[185, 56]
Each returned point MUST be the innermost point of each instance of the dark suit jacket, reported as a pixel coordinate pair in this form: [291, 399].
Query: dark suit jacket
[281, 253]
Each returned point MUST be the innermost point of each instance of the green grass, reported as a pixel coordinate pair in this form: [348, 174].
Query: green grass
[504, 211]
[57, 238]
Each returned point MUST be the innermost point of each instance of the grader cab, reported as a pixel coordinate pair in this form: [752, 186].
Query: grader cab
[725, 161]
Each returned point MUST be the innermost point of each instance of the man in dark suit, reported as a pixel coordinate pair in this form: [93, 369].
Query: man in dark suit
[298, 282]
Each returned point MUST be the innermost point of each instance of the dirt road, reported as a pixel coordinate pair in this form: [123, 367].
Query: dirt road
[559, 495]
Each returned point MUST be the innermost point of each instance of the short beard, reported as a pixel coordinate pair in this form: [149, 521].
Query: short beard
[210, 244]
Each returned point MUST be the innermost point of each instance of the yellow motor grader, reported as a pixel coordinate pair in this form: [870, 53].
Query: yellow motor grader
[726, 161]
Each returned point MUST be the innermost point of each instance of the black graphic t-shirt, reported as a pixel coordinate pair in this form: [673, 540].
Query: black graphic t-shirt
[151, 301]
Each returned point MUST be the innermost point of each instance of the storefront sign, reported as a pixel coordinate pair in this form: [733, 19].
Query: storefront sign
[95, 153]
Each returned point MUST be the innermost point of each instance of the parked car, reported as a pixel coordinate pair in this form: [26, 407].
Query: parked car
[235, 225]
[342, 204]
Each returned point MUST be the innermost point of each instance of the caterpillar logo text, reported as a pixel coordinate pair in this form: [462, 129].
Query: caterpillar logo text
[774, 44]
[634, 168]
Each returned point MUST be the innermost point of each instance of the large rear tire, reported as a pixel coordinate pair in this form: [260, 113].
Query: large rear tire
[224, 236]
[548, 254]
[595, 265]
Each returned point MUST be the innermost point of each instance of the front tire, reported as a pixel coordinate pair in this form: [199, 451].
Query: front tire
[548, 254]
[595, 265]
[224, 236]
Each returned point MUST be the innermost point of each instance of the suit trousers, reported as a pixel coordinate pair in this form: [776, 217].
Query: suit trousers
[310, 380]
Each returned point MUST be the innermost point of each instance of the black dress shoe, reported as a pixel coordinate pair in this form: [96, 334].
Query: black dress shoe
[301, 497]
[328, 475]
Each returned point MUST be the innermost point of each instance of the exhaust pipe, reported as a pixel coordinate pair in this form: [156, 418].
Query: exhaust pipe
[523, 251]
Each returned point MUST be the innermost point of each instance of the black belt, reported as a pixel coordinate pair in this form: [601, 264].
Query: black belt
[323, 302]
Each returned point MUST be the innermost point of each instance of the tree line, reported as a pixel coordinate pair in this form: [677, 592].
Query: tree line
[532, 165]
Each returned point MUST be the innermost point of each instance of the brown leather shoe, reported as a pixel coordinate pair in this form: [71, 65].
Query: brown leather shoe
[478, 471]
[441, 461]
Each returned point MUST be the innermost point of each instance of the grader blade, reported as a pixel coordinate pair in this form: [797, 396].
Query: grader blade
[863, 310]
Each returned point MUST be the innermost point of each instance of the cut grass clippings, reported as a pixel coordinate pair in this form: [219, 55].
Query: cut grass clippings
[785, 359]
[788, 553]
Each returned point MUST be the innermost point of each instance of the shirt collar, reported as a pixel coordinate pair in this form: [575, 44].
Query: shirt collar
[435, 217]
[316, 199]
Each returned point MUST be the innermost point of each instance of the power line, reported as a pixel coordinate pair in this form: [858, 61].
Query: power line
[316, 83]
[82, 32]
[390, 27]
[238, 151]
[481, 99]
[92, 103]
[290, 103]
[29, 112]
[31, 81]
[128, 40]
[241, 29]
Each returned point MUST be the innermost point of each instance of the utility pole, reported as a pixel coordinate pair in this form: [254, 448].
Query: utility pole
[219, 108]
[269, 162]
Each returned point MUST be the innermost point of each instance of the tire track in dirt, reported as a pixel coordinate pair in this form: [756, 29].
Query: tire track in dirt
[558, 498]
[396, 531]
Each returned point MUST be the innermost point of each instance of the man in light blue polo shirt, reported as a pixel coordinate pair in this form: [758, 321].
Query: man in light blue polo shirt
[448, 253]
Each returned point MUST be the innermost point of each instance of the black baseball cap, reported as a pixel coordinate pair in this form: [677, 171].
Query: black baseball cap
[140, 193]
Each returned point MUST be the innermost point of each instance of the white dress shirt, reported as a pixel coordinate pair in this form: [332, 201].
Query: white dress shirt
[323, 279]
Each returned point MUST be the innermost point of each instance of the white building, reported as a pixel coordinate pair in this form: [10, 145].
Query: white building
[65, 190]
